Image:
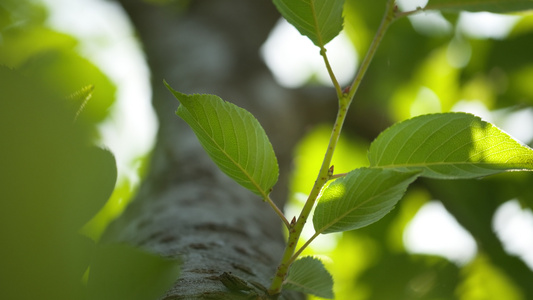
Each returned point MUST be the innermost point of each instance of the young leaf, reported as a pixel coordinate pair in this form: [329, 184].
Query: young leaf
[360, 198]
[319, 20]
[308, 275]
[496, 6]
[233, 138]
[449, 146]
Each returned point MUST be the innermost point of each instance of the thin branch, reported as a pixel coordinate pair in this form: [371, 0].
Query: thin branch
[398, 15]
[295, 229]
[278, 211]
[388, 18]
[334, 80]
[335, 176]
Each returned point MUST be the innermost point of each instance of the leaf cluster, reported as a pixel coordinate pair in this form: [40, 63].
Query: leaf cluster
[439, 146]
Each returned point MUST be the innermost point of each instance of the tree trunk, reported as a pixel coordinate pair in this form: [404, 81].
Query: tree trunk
[186, 208]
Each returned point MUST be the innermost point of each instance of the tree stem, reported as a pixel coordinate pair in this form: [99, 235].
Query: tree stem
[307, 243]
[295, 229]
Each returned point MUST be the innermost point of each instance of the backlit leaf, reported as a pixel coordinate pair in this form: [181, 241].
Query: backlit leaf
[496, 6]
[319, 20]
[308, 275]
[449, 146]
[360, 198]
[233, 138]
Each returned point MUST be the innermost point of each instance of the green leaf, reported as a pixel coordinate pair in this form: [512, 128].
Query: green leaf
[88, 181]
[496, 6]
[308, 275]
[319, 20]
[233, 138]
[360, 198]
[449, 146]
[124, 272]
[56, 183]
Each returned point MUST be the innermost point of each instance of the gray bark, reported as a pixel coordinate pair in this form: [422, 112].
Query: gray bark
[186, 208]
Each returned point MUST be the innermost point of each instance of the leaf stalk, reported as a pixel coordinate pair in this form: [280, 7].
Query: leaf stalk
[278, 212]
[334, 80]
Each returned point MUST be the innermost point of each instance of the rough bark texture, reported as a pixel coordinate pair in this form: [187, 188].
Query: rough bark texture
[186, 208]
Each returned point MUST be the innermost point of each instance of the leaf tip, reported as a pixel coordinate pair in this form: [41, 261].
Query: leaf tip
[180, 96]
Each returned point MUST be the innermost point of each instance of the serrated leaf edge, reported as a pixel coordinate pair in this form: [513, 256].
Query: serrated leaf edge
[333, 222]
[307, 289]
[259, 189]
[375, 163]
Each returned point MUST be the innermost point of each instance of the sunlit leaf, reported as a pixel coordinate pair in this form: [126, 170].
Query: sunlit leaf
[360, 198]
[319, 20]
[233, 138]
[497, 6]
[449, 146]
[124, 272]
[308, 275]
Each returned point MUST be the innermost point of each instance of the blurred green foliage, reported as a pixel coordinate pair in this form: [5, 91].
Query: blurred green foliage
[40, 53]
[417, 72]
[53, 180]
[52, 183]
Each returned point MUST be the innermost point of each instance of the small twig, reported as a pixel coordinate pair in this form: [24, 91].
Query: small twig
[402, 14]
[388, 18]
[334, 80]
[278, 212]
[335, 176]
